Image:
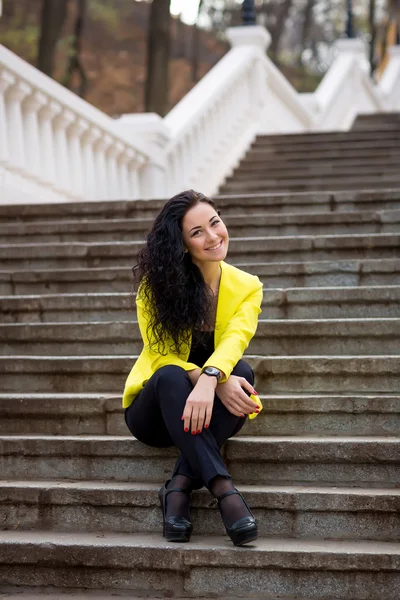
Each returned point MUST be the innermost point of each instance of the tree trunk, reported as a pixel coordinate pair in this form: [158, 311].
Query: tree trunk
[308, 17]
[75, 66]
[158, 47]
[276, 35]
[195, 46]
[52, 20]
[372, 31]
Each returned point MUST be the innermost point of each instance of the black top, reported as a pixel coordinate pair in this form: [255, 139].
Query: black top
[202, 347]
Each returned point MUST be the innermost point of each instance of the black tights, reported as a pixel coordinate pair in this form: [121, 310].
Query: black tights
[154, 418]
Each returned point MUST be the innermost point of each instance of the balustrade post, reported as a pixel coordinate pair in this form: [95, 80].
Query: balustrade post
[46, 116]
[123, 173]
[32, 106]
[89, 141]
[112, 171]
[15, 125]
[63, 167]
[101, 148]
[6, 80]
[76, 130]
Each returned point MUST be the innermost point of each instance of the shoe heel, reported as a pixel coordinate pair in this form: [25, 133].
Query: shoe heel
[245, 537]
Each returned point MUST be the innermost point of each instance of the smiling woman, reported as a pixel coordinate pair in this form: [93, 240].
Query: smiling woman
[190, 386]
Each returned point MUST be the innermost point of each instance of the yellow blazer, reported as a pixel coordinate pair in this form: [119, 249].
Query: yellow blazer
[238, 307]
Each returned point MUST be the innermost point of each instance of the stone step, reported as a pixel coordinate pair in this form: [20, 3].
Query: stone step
[147, 564]
[353, 148]
[317, 183]
[274, 375]
[261, 224]
[373, 121]
[290, 460]
[254, 157]
[243, 249]
[274, 337]
[281, 511]
[283, 414]
[381, 199]
[327, 137]
[361, 272]
[290, 303]
[312, 169]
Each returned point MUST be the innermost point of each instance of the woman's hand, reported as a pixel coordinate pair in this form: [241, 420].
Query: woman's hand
[198, 408]
[234, 398]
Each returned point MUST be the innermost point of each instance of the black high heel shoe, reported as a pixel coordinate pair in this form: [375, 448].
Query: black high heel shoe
[243, 530]
[176, 528]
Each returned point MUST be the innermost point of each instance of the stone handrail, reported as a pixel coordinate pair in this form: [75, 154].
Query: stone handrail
[389, 83]
[54, 146]
[346, 90]
[212, 127]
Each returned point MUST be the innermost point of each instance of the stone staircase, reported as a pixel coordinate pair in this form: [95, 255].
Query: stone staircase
[365, 157]
[320, 466]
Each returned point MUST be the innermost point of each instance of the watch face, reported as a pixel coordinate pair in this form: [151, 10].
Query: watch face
[213, 372]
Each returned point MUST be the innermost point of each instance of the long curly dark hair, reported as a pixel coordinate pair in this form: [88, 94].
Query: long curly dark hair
[171, 285]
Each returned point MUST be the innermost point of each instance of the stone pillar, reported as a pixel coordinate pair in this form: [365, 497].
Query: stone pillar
[63, 166]
[15, 125]
[47, 114]
[32, 106]
[150, 128]
[6, 80]
[355, 47]
[249, 36]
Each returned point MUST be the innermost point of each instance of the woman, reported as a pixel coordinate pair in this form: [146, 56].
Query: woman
[190, 387]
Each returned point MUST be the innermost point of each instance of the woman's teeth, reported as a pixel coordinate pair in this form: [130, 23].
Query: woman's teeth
[215, 247]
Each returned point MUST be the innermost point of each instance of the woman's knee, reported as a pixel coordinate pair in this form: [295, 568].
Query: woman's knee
[243, 369]
[171, 375]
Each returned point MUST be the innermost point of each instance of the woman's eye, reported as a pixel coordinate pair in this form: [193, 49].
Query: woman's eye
[196, 232]
[215, 223]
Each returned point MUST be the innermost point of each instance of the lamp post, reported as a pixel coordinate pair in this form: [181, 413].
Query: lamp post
[248, 12]
[349, 20]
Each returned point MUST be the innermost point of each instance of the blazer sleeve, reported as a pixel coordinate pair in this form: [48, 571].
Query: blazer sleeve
[238, 334]
[157, 359]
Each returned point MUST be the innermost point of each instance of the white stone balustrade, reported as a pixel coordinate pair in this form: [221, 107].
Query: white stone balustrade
[54, 146]
[213, 126]
[347, 89]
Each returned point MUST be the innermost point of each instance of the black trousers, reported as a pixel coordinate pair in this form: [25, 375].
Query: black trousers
[154, 418]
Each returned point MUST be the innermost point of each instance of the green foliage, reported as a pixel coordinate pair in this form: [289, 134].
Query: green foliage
[21, 41]
[102, 12]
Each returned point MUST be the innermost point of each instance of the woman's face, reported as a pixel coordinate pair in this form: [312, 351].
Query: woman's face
[204, 234]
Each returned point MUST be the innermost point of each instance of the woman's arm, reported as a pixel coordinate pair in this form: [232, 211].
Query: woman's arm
[237, 335]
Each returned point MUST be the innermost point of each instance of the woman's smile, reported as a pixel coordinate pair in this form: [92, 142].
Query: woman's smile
[215, 247]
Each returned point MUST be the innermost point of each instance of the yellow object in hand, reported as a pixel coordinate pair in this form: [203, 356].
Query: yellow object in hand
[256, 399]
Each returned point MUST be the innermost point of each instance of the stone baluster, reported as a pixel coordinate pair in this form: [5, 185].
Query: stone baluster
[101, 148]
[89, 141]
[76, 131]
[63, 167]
[123, 173]
[46, 116]
[31, 108]
[15, 125]
[135, 164]
[6, 80]
[112, 170]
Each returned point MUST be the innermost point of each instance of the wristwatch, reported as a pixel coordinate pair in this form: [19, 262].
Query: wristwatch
[213, 372]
